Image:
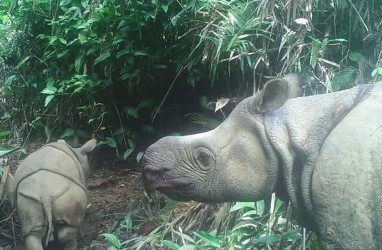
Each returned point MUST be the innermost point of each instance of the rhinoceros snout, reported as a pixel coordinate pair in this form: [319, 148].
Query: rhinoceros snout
[150, 169]
[154, 170]
[151, 172]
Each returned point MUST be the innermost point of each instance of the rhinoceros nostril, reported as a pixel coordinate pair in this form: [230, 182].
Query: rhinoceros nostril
[152, 172]
[165, 169]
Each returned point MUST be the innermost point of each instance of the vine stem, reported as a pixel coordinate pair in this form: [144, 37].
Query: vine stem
[168, 91]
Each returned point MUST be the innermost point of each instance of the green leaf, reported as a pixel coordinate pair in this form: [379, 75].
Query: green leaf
[260, 207]
[122, 53]
[344, 79]
[185, 237]
[52, 39]
[48, 99]
[376, 72]
[292, 235]
[61, 54]
[109, 142]
[130, 59]
[4, 152]
[316, 48]
[112, 239]
[203, 101]
[268, 239]
[278, 205]
[121, 24]
[117, 41]
[140, 53]
[175, 19]
[41, 36]
[22, 62]
[9, 80]
[337, 40]
[63, 41]
[102, 57]
[248, 223]
[188, 247]
[112, 248]
[171, 245]
[49, 89]
[249, 213]
[159, 66]
[65, 2]
[208, 238]
[147, 128]
[78, 89]
[5, 134]
[139, 156]
[191, 81]
[79, 62]
[131, 143]
[119, 131]
[145, 103]
[165, 7]
[67, 133]
[240, 205]
[127, 221]
[128, 153]
[132, 112]
[82, 36]
[356, 57]
[48, 132]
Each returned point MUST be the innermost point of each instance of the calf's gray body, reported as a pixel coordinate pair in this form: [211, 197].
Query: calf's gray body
[323, 153]
[49, 190]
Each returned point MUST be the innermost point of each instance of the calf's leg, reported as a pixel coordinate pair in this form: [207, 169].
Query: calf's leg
[33, 242]
[67, 237]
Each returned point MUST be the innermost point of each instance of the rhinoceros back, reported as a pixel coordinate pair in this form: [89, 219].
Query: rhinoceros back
[55, 157]
[347, 179]
[41, 180]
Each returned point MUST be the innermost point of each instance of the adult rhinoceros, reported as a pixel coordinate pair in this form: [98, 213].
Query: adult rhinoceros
[322, 152]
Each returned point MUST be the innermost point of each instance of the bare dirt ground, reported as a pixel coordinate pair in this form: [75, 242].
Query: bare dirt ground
[110, 193]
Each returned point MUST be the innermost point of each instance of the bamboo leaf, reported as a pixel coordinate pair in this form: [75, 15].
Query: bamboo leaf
[208, 238]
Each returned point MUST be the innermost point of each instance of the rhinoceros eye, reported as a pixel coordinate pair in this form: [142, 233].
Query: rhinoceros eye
[204, 157]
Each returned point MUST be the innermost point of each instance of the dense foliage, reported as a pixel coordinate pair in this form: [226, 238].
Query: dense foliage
[106, 67]
[75, 68]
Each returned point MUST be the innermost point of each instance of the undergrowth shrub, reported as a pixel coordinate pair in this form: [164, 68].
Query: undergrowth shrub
[85, 67]
[75, 68]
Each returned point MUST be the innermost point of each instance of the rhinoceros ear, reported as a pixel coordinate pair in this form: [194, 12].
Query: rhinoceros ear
[294, 85]
[273, 95]
[89, 146]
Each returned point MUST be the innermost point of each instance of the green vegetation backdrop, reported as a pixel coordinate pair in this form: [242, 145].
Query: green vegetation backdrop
[74, 68]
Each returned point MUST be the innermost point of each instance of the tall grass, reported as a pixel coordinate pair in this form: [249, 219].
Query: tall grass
[323, 37]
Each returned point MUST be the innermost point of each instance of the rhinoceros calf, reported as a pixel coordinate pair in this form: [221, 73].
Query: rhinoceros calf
[49, 189]
[323, 153]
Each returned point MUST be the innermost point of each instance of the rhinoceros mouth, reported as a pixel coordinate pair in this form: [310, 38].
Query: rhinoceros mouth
[174, 189]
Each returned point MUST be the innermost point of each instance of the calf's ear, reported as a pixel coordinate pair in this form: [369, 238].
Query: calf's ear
[89, 146]
[273, 95]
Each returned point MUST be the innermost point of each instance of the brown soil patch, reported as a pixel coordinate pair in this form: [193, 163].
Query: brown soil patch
[109, 201]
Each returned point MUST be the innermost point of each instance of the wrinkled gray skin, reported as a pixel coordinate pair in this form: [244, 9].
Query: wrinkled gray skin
[49, 190]
[323, 153]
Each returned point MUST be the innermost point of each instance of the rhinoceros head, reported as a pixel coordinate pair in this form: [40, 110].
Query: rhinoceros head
[233, 162]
